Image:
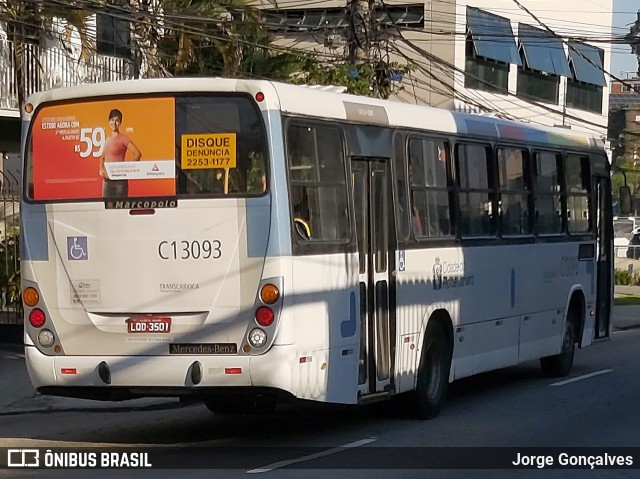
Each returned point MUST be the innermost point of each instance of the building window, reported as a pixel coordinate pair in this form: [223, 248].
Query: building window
[490, 48]
[430, 212]
[584, 96]
[538, 85]
[113, 33]
[543, 63]
[585, 87]
[483, 73]
[411, 16]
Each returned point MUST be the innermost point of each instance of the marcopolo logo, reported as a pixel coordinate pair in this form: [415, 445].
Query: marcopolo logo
[142, 203]
[23, 458]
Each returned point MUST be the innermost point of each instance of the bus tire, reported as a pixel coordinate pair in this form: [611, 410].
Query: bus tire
[433, 374]
[559, 365]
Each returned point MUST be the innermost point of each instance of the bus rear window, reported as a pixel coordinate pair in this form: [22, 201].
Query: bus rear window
[187, 146]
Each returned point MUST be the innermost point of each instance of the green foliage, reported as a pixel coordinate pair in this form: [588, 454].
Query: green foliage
[359, 79]
[624, 277]
[221, 38]
[229, 39]
[10, 266]
[629, 161]
[627, 301]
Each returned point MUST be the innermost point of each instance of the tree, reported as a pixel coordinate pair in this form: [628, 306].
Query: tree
[628, 160]
[226, 38]
[30, 22]
[633, 38]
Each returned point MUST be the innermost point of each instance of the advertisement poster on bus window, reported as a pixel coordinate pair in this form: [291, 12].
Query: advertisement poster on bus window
[105, 149]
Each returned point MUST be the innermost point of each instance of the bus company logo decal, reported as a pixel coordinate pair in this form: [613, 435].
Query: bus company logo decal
[178, 287]
[141, 203]
[447, 275]
[205, 348]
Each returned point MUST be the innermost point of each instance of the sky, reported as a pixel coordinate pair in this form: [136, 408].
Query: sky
[622, 60]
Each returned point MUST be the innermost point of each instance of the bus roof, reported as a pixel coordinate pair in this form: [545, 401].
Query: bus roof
[317, 102]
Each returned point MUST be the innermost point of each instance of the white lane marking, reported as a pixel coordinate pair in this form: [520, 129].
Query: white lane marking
[310, 457]
[12, 356]
[580, 378]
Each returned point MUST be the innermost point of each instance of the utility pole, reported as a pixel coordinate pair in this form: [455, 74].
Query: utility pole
[359, 38]
[633, 37]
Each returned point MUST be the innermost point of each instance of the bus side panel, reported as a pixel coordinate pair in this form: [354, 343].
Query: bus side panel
[507, 303]
[325, 306]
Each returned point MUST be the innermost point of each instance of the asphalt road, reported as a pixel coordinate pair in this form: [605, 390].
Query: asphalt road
[514, 408]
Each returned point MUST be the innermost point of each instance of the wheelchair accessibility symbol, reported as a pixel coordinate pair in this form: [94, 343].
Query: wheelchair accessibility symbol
[401, 260]
[77, 248]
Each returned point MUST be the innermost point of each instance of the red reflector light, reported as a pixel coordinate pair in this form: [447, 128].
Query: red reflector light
[264, 316]
[233, 370]
[37, 318]
[68, 371]
[259, 96]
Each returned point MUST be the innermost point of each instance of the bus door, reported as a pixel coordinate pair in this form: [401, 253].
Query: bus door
[603, 257]
[376, 251]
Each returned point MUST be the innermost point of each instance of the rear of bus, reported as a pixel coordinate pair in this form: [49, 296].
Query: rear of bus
[165, 289]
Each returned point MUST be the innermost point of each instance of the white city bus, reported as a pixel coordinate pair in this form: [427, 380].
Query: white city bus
[244, 242]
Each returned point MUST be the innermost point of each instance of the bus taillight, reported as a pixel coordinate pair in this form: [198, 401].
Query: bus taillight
[257, 338]
[30, 296]
[264, 316]
[46, 338]
[37, 318]
[269, 294]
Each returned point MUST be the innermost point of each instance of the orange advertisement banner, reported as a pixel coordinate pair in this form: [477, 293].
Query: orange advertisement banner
[73, 142]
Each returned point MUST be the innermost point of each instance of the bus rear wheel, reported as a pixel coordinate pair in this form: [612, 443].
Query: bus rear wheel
[559, 365]
[433, 374]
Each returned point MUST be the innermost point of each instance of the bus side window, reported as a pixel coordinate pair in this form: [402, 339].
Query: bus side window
[429, 198]
[317, 182]
[475, 191]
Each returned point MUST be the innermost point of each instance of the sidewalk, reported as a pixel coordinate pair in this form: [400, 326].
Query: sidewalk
[626, 317]
[620, 290]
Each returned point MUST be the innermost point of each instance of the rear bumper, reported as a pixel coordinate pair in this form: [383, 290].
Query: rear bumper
[130, 377]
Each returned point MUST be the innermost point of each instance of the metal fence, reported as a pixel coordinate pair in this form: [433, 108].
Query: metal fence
[629, 251]
[10, 301]
[44, 67]
[53, 67]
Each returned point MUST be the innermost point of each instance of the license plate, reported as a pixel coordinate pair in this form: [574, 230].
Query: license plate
[149, 324]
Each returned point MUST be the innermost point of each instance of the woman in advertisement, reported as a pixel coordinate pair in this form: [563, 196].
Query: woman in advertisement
[115, 150]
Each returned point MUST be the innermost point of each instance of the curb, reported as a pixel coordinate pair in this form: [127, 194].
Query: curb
[151, 405]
